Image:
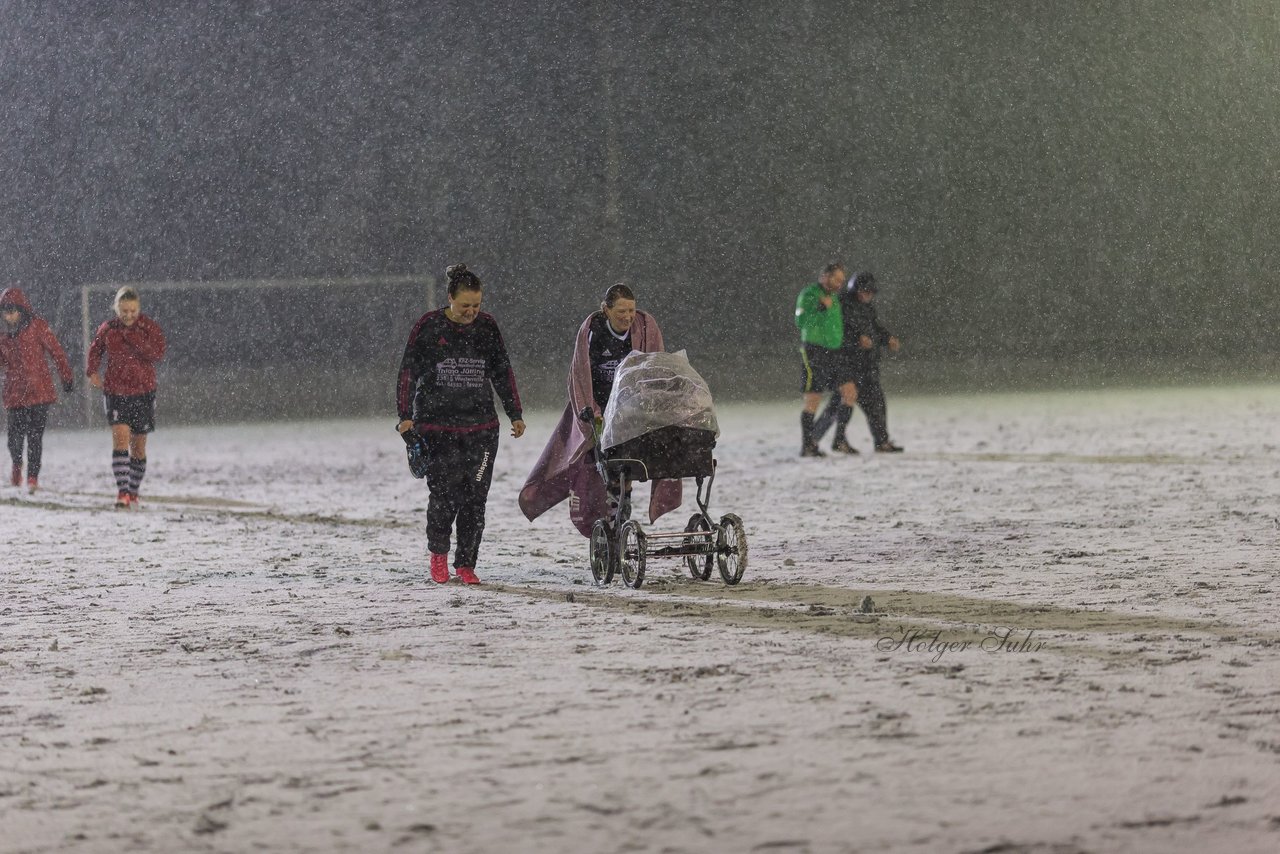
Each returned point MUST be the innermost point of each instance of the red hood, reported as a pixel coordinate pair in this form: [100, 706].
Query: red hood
[15, 297]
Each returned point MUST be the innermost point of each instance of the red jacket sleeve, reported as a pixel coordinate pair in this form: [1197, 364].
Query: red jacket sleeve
[96, 350]
[51, 345]
[149, 340]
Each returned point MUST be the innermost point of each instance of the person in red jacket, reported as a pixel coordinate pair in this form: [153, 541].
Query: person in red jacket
[25, 342]
[132, 344]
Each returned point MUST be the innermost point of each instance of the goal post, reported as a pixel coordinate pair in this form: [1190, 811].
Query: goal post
[423, 288]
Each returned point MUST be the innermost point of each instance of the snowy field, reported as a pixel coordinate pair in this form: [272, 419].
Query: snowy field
[1073, 646]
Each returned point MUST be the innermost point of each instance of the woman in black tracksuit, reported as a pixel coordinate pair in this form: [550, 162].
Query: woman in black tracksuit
[454, 361]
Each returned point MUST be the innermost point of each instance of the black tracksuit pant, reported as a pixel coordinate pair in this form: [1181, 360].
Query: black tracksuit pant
[459, 471]
[870, 398]
[27, 423]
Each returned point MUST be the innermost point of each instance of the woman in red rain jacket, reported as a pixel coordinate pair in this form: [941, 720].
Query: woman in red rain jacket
[132, 344]
[25, 342]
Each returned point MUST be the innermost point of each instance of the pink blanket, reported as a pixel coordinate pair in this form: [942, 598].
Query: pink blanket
[565, 469]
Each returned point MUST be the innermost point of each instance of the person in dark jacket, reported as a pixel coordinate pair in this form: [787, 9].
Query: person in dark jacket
[453, 363]
[132, 343]
[864, 338]
[26, 343]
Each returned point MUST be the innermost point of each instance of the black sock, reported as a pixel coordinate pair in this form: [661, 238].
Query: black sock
[806, 428]
[843, 414]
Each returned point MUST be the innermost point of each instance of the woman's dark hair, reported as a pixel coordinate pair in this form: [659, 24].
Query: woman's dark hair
[615, 293]
[462, 279]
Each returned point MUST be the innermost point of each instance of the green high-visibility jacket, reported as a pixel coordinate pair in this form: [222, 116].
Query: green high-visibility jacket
[818, 325]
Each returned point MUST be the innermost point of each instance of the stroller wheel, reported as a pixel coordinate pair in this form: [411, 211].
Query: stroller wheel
[731, 548]
[602, 554]
[631, 547]
[699, 564]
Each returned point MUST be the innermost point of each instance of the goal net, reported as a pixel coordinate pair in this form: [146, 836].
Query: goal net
[272, 348]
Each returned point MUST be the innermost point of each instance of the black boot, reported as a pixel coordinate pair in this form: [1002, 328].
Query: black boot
[841, 443]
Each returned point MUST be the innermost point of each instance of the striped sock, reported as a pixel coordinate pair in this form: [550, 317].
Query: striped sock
[137, 470]
[120, 468]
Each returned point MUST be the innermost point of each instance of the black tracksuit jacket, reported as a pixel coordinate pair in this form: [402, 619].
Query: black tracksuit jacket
[446, 374]
[860, 319]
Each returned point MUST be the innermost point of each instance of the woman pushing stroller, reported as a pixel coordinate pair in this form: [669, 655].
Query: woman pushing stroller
[565, 469]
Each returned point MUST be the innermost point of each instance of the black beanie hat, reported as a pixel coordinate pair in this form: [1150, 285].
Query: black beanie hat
[863, 282]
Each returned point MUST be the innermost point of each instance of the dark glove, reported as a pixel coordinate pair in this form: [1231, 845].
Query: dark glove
[68, 386]
[416, 448]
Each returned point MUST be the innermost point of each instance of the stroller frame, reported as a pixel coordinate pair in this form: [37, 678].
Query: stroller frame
[620, 544]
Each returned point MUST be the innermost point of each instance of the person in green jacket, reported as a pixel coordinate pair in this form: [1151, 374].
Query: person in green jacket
[821, 334]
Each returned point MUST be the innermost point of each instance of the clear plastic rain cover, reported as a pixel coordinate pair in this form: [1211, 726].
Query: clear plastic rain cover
[654, 390]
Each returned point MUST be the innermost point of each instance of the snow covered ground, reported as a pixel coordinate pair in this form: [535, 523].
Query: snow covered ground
[1073, 646]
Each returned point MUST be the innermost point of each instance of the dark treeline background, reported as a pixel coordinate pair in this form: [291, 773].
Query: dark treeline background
[1073, 192]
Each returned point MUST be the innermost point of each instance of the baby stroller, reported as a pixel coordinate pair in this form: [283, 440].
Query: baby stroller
[659, 425]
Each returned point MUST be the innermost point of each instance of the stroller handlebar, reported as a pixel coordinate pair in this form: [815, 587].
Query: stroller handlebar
[587, 416]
